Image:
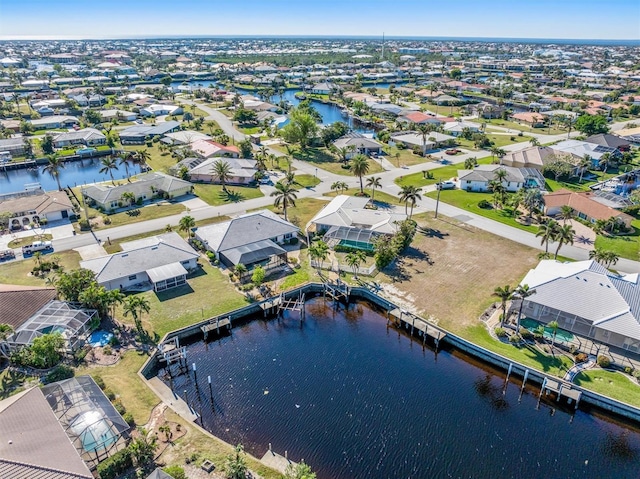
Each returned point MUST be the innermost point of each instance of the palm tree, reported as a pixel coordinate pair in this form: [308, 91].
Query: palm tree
[53, 168]
[497, 151]
[547, 231]
[5, 331]
[534, 141]
[319, 251]
[222, 170]
[290, 178]
[607, 258]
[500, 174]
[355, 259]
[505, 294]
[554, 326]
[285, 195]
[339, 185]
[124, 161]
[374, 182]
[141, 157]
[239, 270]
[360, 167]
[604, 161]
[128, 197]
[564, 235]
[584, 165]
[424, 131]
[410, 194]
[186, 224]
[522, 292]
[134, 306]
[532, 200]
[499, 193]
[566, 213]
[108, 165]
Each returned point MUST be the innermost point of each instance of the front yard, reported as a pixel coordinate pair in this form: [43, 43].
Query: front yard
[19, 272]
[214, 195]
[444, 173]
[322, 158]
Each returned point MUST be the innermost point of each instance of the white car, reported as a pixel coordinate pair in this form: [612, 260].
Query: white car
[446, 185]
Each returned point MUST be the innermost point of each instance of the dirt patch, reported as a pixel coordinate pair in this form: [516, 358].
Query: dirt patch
[451, 270]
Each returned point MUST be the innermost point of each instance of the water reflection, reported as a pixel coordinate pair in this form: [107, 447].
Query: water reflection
[490, 392]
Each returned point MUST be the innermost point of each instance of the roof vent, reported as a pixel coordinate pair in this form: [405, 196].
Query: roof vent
[154, 247]
[125, 255]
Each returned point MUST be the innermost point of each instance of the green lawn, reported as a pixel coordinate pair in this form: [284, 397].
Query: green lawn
[379, 196]
[504, 140]
[307, 181]
[214, 195]
[469, 201]
[159, 161]
[17, 243]
[321, 158]
[18, 272]
[627, 246]
[301, 214]
[444, 173]
[250, 130]
[301, 275]
[406, 158]
[208, 293]
[608, 383]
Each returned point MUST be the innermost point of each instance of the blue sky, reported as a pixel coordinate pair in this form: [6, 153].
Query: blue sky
[579, 19]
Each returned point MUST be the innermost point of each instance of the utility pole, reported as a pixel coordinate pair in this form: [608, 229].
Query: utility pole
[439, 187]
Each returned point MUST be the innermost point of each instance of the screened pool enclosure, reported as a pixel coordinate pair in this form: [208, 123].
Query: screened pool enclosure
[351, 237]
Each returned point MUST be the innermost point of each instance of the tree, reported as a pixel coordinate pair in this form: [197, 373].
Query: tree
[246, 149]
[301, 128]
[591, 124]
[258, 275]
[175, 471]
[359, 167]
[604, 162]
[522, 292]
[47, 144]
[141, 157]
[27, 146]
[470, 163]
[239, 270]
[285, 196]
[534, 141]
[166, 81]
[564, 235]
[53, 167]
[245, 117]
[566, 213]
[410, 194]
[497, 151]
[222, 170]
[374, 182]
[554, 326]
[339, 185]
[143, 448]
[505, 294]
[108, 165]
[5, 331]
[299, 471]
[607, 258]
[134, 306]
[92, 116]
[235, 464]
[128, 197]
[71, 284]
[355, 259]
[559, 167]
[46, 350]
[547, 231]
[26, 127]
[187, 223]
[124, 161]
[532, 200]
[319, 251]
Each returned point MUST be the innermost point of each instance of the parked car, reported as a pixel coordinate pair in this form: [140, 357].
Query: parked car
[446, 185]
[452, 151]
[7, 255]
[43, 246]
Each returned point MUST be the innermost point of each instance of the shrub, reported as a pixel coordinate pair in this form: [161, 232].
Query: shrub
[128, 417]
[117, 404]
[211, 256]
[107, 350]
[636, 373]
[515, 338]
[603, 361]
[175, 471]
[484, 204]
[115, 465]
[581, 358]
[500, 332]
[293, 260]
[100, 382]
[59, 373]
[109, 393]
[106, 220]
[293, 240]
[526, 334]
[628, 369]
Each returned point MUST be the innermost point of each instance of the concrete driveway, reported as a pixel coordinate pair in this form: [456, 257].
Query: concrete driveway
[91, 251]
[585, 237]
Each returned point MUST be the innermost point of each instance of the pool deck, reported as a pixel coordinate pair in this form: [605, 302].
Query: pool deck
[177, 404]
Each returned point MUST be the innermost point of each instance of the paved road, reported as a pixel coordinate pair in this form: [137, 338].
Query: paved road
[327, 178]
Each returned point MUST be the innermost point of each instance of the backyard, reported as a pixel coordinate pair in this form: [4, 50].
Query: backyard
[438, 174]
[322, 158]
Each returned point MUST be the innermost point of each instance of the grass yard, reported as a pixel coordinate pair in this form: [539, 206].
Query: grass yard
[301, 214]
[307, 181]
[160, 160]
[609, 383]
[406, 158]
[321, 158]
[379, 196]
[504, 140]
[469, 201]
[123, 380]
[208, 293]
[214, 195]
[19, 272]
[19, 242]
[627, 246]
[444, 173]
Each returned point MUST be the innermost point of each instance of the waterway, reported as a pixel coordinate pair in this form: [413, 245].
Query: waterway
[356, 399]
[74, 173]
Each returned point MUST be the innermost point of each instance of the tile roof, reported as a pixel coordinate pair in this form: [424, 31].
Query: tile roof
[143, 185]
[20, 470]
[582, 202]
[37, 201]
[19, 303]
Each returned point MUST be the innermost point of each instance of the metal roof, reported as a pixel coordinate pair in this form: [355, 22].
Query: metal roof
[253, 253]
[166, 271]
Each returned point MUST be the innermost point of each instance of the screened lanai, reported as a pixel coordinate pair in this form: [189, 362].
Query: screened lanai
[88, 418]
[56, 316]
[352, 237]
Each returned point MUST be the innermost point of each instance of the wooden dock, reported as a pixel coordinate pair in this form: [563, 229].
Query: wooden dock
[412, 322]
[271, 306]
[215, 325]
[291, 304]
[171, 351]
[561, 389]
[337, 291]
[276, 461]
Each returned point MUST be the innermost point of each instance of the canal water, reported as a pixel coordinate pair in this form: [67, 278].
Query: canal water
[356, 399]
[74, 173]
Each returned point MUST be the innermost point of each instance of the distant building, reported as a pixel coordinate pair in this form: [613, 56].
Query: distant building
[242, 171]
[157, 109]
[357, 143]
[137, 135]
[480, 178]
[585, 205]
[54, 122]
[86, 137]
[35, 207]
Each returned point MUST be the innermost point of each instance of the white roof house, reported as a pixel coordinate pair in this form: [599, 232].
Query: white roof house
[587, 299]
[161, 261]
[160, 109]
[480, 177]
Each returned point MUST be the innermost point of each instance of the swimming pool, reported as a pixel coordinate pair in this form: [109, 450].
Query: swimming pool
[94, 431]
[561, 334]
[100, 338]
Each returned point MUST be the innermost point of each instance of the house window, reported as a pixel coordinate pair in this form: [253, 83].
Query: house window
[288, 236]
[132, 277]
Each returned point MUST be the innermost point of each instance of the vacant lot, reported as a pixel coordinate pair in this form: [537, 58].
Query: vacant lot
[451, 270]
[19, 272]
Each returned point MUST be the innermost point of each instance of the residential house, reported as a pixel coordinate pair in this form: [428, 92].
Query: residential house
[137, 135]
[531, 119]
[456, 128]
[609, 141]
[158, 109]
[632, 135]
[413, 139]
[89, 100]
[161, 262]
[418, 118]
[347, 221]
[357, 143]
[586, 205]
[185, 137]
[251, 239]
[581, 149]
[210, 148]
[86, 136]
[36, 207]
[54, 122]
[242, 171]
[323, 88]
[13, 146]
[585, 298]
[115, 114]
[480, 178]
[539, 156]
[146, 187]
